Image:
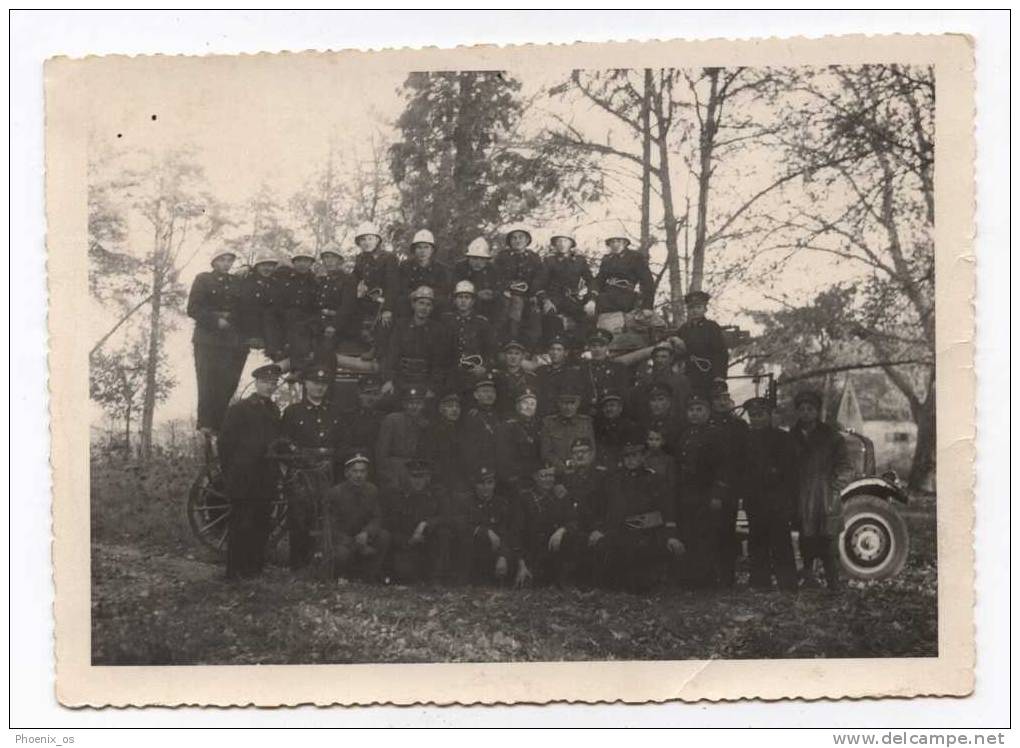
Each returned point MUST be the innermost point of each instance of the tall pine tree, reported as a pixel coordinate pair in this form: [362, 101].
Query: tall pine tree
[462, 168]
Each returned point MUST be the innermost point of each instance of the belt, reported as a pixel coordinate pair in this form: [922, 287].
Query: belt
[623, 283]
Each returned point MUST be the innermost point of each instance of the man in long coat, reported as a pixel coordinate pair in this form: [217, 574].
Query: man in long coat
[249, 428]
[824, 469]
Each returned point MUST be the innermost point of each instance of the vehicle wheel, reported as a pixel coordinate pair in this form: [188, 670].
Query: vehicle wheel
[209, 512]
[875, 542]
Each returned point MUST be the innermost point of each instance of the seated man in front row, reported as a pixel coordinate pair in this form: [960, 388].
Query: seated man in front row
[352, 539]
[418, 526]
[641, 540]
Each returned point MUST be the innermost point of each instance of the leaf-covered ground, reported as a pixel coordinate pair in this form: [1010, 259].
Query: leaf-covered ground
[157, 599]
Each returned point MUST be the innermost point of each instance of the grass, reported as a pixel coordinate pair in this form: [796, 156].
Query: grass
[156, 599]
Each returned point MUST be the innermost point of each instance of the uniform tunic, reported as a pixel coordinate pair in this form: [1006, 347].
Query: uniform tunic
[542, 514]
[769, 475]
[610, 435]
[414, 274]
[564, 274]
[335, 299]
[519, 266]
[403, 511]
[258, 321]
[620, 276]
[559, 433]
[472, 519]
[400, 439]
[478, 439]
[219, 353]
[518, 449]
[379, 271]
[442, 445]
[554, 379]
[700, 455]
[347, 511]
[601, 377]
[249, 427]
[419, 353]
[472, 336]
[707, 355]
[296, 298]
[587, 485]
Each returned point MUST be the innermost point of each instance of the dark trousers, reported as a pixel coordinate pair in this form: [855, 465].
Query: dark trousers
[481, 559]
[345, 558]
[247, 537]
[711, 543]
[304, 493]
[615, 299]
[770, 548]
[299, 328]
[634, 560]
[422, 562]
[567, 565]
[218, 371]
[822, 547]
[724, 561]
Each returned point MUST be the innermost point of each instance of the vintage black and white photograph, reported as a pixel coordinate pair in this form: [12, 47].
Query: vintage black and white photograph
[510, 363]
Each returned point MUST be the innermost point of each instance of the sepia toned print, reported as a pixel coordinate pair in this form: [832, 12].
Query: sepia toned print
[585, 373]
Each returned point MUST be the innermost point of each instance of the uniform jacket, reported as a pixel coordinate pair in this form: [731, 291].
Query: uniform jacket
[361, 430]
[636, 492]
[700, 455]
[312, 426]
[435, 275]
[249, 427]
[500, 514]
[554, 379]
[215, 296]
[704, 341]
[400, 436]
[350, 509]
[518, 448]
[603, 376]
[478, 439]
[610, 435]
[404, 509]
[587, 486]
[769, 473]
[257, 312]
[628, 265]
[542, 514]
[483, 280]
[513, 266]
[429, 343]
[472, 336]
[442, 445]
[559, 433]
[733, 431]
[563, 277]
[646, 375]
[296, 292]
[824, 469]
[378, 270]
[336, 293]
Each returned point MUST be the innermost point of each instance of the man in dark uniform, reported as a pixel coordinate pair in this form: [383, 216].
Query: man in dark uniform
[442, 443]
[565, 274]
[612, 429]
[622, 273]
[512, 378]
[421, 269]
[585, 482]
[361, 425]
[420, 349]
[561, 430]
[520, 279]
[557, 376]
[487, 528]
[476, 266]
[401, 437]
[553, 540]
[313, 430]
[249, 428]
[258, 323]
[600, 373]
[641, 539]
[220, 352]
[518, 443]
[733, 431]
[353, 540]
[377, 285]
[700, 456]
[660, 369]
[708, 357]
[659, 413]
[474, 343]
[335, 300]
[414, 516]
[478, 431]
[297, 289]
[769, 474]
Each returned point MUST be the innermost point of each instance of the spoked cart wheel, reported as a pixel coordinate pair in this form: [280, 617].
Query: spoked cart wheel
[209, 514]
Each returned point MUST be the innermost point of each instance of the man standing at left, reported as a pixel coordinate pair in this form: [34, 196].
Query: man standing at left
[220, 352]
[249, 428]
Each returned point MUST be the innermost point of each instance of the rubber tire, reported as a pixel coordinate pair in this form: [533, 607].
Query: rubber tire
[861, 513]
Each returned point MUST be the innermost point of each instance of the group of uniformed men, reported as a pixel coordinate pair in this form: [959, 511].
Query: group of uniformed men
[471, 457]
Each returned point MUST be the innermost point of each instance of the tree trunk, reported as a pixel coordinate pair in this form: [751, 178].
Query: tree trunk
[668, 214]
[151, 364]
[127, 430]
[922, 465]
[455, 235]
[706, 143]
[646, 164]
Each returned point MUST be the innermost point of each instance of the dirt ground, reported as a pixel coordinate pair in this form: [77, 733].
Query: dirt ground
[157, 598]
